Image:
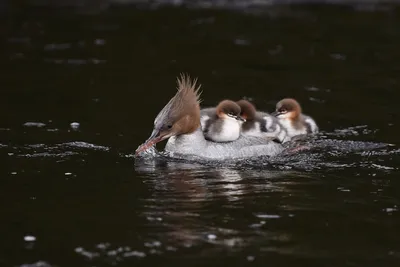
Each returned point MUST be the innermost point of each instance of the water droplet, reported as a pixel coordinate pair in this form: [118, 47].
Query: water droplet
[390, 209]
[268, 216]
[211, 237]
[75, 125]
[152, 244]
[338, 56]
[34, 124]
[250, 258]
[135, 253]
[103, 246]
[29, 238]
[241, 42]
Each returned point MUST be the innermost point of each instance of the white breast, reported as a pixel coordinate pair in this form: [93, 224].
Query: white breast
[291, 130]
[227, 130]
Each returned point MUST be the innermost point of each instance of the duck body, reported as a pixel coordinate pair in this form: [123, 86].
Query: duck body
[289, 113]
[267, 126]
[302, 126]
[223, 123]
[244, 147]
[261, 124]
[179, 122]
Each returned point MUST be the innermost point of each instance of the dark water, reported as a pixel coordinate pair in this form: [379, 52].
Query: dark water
[78, 197]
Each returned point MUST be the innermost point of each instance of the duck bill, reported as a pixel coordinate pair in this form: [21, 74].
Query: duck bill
[275, 113]
[240, 118]
[155, 137]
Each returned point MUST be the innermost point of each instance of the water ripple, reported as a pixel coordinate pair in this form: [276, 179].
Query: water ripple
[37, 264]
[62, 150]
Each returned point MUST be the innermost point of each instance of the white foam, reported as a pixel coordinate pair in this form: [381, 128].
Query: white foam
[29, 238]
[34, 124]
[75, 125]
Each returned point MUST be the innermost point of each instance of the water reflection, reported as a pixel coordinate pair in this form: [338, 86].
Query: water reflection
[184, 193]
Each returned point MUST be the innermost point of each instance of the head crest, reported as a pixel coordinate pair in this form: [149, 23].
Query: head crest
[188, 88]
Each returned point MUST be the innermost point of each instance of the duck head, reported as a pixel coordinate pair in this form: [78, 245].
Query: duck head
[228, 109]
[180, 116]
[287, 108]
[248, 110]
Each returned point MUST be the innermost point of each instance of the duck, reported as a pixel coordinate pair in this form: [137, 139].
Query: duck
[223, 123]
[261, 124]
[179, 122]
[289, 113]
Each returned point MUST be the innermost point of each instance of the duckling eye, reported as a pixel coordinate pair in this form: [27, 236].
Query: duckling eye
[282, 110]
[169, 126]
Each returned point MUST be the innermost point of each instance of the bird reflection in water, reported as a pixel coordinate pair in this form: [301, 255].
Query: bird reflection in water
[185, 196]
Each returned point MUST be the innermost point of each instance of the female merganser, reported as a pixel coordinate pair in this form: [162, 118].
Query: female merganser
[261, 124]
[223, 123]
[288, 111]
[179, 121]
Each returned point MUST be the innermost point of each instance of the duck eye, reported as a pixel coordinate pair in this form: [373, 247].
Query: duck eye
[169, 126]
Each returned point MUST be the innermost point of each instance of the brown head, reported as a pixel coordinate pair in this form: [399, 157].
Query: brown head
[180, 116]
[248, 110]
[228, 109]
[287, 108]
